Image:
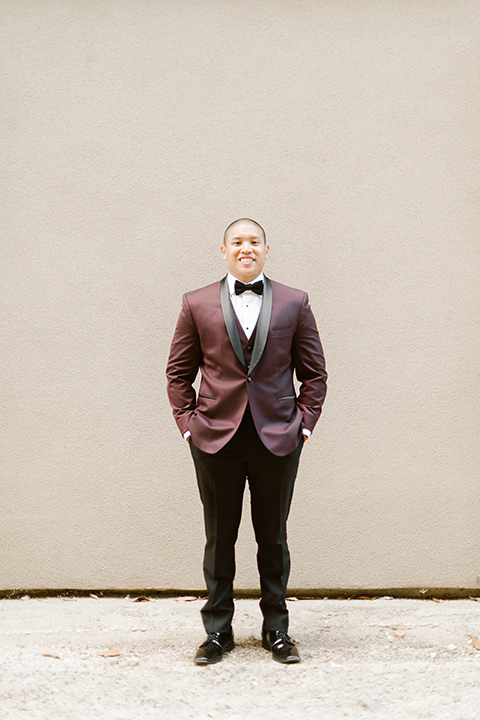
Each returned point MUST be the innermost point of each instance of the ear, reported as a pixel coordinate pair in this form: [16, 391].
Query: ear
[224, 252]
[267, 248]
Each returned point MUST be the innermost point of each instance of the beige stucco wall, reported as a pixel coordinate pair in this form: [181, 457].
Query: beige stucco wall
[133, 132]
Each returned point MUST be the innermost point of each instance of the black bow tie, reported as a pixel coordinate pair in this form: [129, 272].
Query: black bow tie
[256, 287]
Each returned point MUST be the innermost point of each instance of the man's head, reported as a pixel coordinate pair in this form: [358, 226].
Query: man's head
[245, 249]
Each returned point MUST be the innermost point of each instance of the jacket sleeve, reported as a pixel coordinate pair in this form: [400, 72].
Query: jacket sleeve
[309, 363]
[182, 367]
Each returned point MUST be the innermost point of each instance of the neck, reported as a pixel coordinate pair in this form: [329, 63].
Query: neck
[247, 282]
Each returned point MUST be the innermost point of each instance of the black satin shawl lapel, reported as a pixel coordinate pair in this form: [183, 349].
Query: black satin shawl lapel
[263, 324]
[230, 323]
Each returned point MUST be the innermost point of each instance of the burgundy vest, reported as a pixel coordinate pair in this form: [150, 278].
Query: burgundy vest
[247, 343]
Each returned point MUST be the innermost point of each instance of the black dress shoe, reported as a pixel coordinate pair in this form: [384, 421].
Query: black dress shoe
[282, 647]
[212, 650]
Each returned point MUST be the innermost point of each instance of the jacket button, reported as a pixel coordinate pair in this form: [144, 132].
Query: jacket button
[249, 379]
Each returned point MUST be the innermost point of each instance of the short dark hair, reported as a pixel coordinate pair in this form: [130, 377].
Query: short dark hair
[243, 220]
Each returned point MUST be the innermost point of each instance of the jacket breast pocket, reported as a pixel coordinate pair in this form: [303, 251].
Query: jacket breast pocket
[278, 332]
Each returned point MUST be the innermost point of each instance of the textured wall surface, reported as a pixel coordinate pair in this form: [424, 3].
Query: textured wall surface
[133, 132]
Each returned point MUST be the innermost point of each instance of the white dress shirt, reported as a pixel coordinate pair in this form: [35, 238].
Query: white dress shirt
[247, 305]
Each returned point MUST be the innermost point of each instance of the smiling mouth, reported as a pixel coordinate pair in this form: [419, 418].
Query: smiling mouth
[247, 259]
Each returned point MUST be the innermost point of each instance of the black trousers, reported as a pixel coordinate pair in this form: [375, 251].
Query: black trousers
[221, 480]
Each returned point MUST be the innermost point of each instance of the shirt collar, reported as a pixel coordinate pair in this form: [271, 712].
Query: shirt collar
[231, 281]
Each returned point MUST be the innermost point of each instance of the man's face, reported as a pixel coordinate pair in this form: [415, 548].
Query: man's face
[245, 251]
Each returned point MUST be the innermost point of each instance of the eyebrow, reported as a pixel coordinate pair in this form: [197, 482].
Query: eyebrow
[252, 237]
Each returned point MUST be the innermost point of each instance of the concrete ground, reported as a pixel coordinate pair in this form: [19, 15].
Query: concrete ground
[116, 658]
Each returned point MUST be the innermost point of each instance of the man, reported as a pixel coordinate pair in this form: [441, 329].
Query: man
[247, 335]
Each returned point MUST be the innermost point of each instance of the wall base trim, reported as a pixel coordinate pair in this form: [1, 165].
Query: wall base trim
[422, 593]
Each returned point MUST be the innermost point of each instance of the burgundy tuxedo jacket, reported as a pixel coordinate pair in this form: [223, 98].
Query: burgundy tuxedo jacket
[286, 341]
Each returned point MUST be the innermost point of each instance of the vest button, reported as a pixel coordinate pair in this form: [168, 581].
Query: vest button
[249, 379]
[249, 348]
